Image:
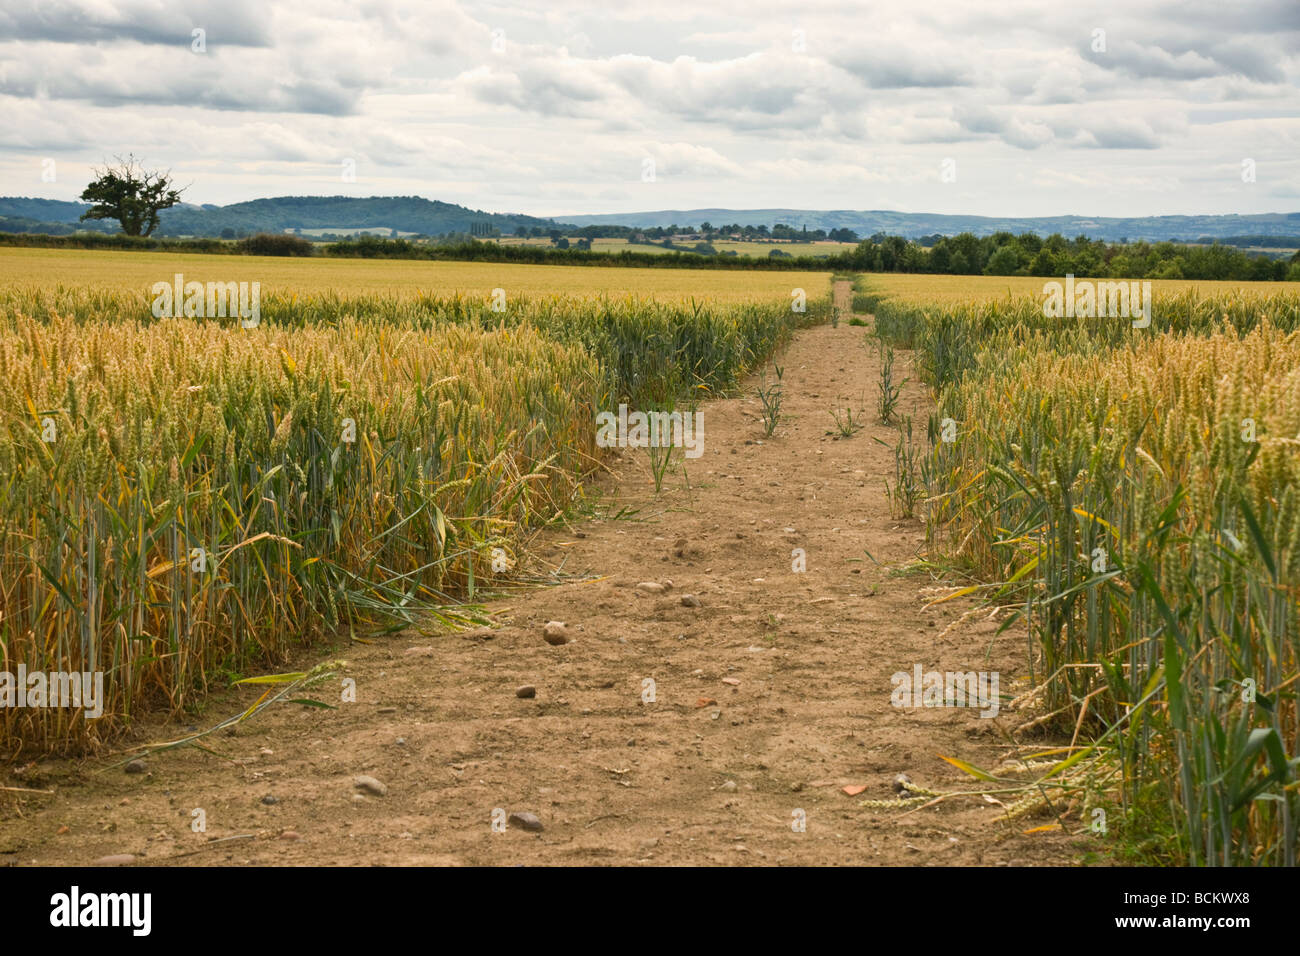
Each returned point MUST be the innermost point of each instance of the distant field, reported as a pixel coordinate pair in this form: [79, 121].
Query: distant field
[760, 249]
[597, 245]
[951, 290]
[383, 231]
[622, 245]
[140, 270]
[793, 248]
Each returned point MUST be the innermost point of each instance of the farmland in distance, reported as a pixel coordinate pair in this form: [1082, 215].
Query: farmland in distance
[132, 271]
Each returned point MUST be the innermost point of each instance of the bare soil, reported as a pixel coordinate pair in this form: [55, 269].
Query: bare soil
[769, 697]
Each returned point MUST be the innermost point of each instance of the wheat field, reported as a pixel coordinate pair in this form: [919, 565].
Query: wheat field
[1132, 496]
[942, 290]
[184, 497]
[110, 270]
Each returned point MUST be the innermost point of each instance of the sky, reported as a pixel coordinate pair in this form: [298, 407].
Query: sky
[1006, 108]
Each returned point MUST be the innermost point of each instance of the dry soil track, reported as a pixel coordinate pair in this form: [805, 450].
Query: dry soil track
[799, 665]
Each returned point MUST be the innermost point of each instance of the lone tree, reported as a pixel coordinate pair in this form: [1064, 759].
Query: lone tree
[131, 195]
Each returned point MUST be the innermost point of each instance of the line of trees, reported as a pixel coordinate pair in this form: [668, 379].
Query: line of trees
[965, 254]
[1029, 254]
[369, 247]
[707, 230]
[1001, 253]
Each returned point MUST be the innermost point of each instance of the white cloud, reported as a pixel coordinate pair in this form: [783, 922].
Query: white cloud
[554, 108]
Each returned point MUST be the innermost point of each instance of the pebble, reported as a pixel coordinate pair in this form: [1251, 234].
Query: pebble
[136, 766]
[690, 600]
[729, 786]
[371, 785]
[555, 632]
[651, 587]
[525, 821]
[426, 651]
[115, 859]
[270, 801]
[527, 691]
[290, 835]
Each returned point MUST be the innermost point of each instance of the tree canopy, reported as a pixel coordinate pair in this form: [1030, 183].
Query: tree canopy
[130, 194]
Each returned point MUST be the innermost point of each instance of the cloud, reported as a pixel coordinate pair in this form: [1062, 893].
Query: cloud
[1121, 134]
[231, 22]
[111, 78]
[562, 103]
[888, 67]
[1011, 127]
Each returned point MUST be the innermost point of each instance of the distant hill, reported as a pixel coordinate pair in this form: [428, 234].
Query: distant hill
[413, 214]
[51, 216]
[915, 225]
[402, 214]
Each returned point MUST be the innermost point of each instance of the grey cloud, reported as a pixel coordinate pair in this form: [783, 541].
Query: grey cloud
[887, 69]
[1124, 136]
[125, 76]
[1216, 18]
[1254, 60]
[751, 93]
[1013, 129]
[300, 96]
[231, 22]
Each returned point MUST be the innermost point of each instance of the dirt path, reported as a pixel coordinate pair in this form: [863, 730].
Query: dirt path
[799, 665]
